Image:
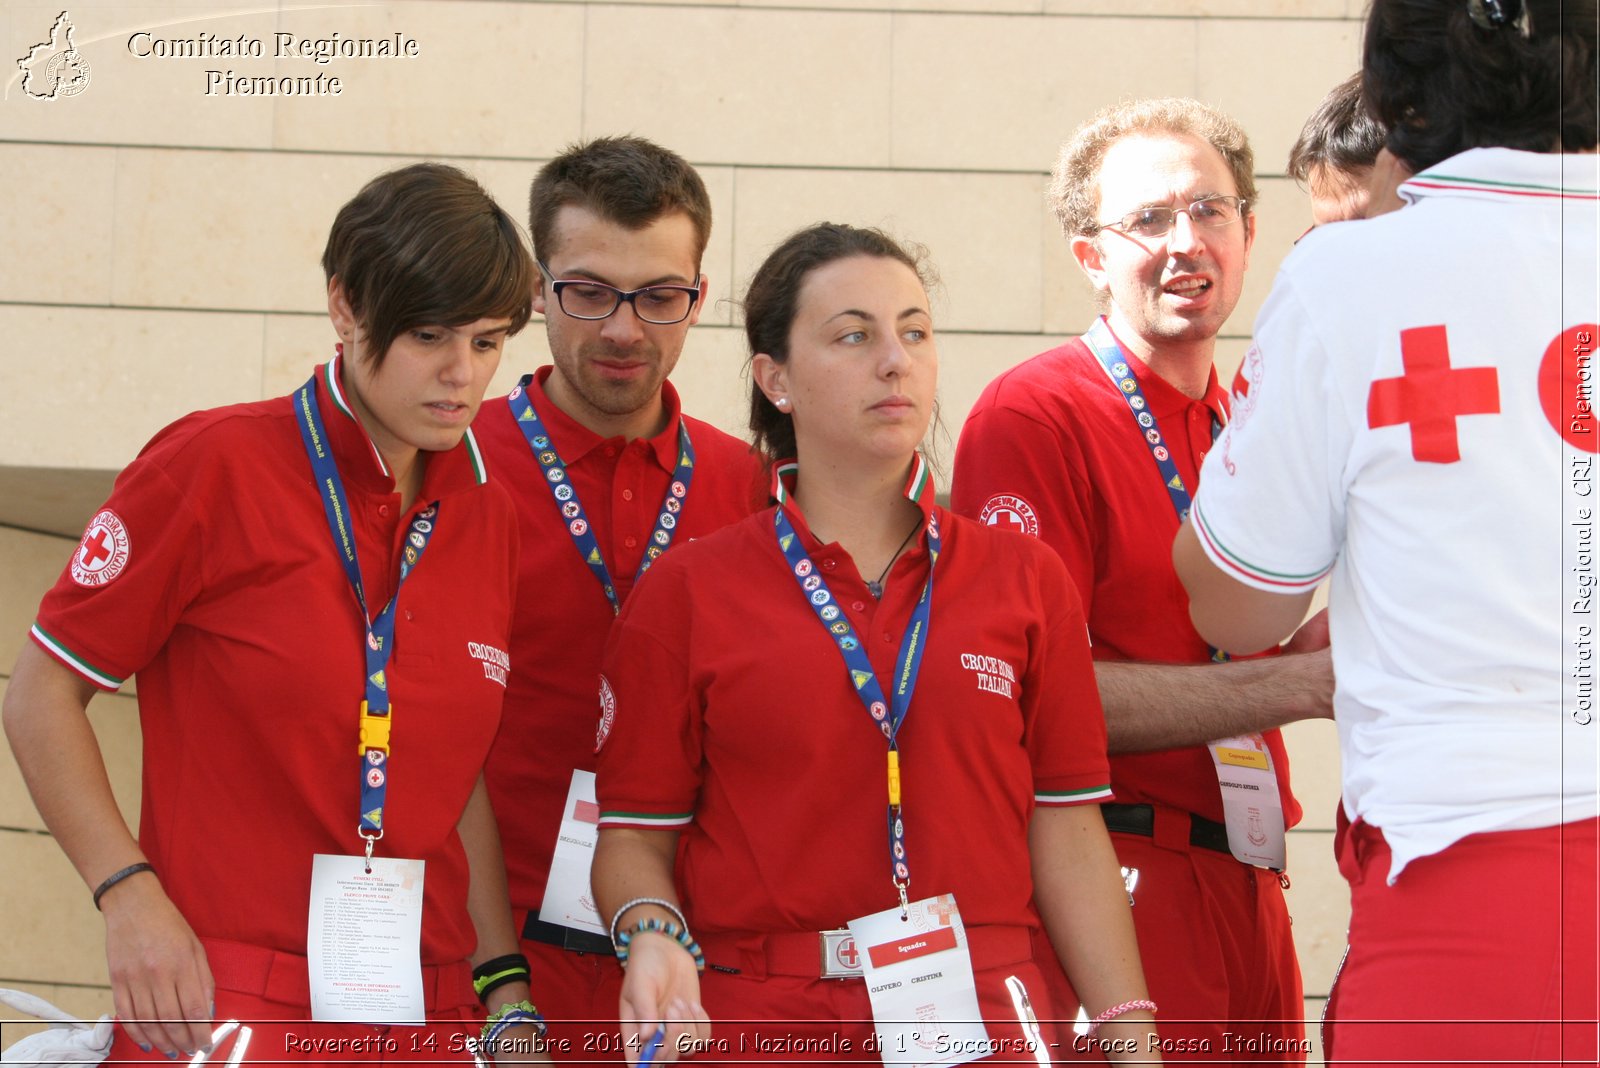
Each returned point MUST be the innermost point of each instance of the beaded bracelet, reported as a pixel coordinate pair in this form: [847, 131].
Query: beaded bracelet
[1120, 1010]
[616, 917]
[506, 1017]
[493, 974]
[678, 934]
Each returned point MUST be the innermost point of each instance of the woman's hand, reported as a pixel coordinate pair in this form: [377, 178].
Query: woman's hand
[160, 982]
[660, 988]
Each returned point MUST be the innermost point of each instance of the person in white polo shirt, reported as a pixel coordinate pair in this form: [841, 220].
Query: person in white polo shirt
[1419, 425]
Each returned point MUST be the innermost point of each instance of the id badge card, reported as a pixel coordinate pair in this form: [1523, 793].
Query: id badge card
[1251, 806]
[364, 940]
[568, 899]
[919, 978]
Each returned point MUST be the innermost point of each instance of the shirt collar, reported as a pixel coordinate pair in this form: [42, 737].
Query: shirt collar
[361, 463]
[1166, 399]
[1507, 175]
[574, 441]
[918, 489]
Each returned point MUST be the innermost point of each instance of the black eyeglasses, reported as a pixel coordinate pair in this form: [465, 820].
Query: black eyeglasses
[661, 305]
[1207, 212]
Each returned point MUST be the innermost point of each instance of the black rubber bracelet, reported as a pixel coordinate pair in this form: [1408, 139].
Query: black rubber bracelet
[498, 972]
[499, 981]
[116, 877]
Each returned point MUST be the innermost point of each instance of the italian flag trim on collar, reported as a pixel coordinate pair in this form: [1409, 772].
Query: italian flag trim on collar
[1436, 180]
[330, 377]
[919, 483]
[480, 470]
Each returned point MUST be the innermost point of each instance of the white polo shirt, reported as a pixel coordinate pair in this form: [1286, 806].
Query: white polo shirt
[1389, 428]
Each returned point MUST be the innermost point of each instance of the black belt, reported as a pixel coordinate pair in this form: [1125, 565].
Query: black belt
[554, 934]
[1141, 820]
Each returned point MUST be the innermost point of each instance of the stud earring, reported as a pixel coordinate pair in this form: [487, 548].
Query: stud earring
[782, 404]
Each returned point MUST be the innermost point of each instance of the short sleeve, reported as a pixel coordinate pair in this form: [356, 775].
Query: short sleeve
[1270, 510]
[130, 578]
[1014, 471]
[651, 723]
[1064, 725]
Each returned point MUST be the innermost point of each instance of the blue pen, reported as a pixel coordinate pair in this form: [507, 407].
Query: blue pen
[652, 1047]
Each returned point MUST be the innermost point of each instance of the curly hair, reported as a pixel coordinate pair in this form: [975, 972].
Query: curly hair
[1075, 183]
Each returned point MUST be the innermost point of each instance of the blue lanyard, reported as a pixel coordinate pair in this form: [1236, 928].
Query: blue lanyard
[889, 715]
[1105, 348]
[566, 495]
[375, 708]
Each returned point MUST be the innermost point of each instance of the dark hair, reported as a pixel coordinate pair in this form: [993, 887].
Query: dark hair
[772, 301]
[425, 245]
[1340, 136]
[1442, 84]
[626, 180]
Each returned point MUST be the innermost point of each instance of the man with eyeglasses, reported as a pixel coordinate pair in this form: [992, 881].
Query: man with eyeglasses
[1094, 446]
[607, 473]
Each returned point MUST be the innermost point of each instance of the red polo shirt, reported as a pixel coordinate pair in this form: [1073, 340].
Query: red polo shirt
[734, 718]
[562, 615]
[1052, 449]
[231, 604]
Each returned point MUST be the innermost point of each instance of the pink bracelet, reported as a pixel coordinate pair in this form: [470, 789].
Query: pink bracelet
[1120, 1010]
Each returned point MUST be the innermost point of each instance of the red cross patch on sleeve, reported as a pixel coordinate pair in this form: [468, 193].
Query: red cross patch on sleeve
[1009, 512]
[103, 553]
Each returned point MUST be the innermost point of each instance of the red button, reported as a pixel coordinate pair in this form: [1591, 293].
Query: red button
[888, 637]
[383, 510]
[627, 494]
[829, 565]
[611, 450]
[859, 606]
[631, 542]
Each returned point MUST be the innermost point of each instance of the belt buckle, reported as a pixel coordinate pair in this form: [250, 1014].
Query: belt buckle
[840, 958]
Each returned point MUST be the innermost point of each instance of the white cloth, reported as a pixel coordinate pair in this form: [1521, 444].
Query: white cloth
[1458, 659]
[70, 1041]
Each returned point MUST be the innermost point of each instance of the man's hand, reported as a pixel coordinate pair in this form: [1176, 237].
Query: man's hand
[1312, 635]
[1307, 653]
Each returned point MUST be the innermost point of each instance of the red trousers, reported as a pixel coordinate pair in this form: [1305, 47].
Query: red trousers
[1485, 953]
[269, 992]
[1217, 950]
[761, 1014]
[577, 994]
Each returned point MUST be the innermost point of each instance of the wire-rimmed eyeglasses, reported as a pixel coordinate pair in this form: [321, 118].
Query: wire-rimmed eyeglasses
[1207, 212]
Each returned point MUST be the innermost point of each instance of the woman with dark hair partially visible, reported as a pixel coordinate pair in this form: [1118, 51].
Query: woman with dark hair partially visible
[1420, 425]
[853, 741]
[306, 587]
